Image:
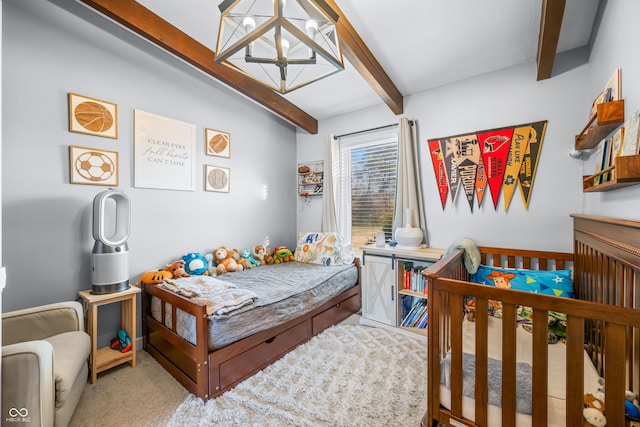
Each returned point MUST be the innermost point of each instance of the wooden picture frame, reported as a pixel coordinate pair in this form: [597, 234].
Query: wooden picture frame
[216, 178]
[93, 166]
[93, 116]
[217, 143]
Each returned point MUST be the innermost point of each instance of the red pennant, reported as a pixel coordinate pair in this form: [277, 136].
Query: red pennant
[437, 158]
[495, 149]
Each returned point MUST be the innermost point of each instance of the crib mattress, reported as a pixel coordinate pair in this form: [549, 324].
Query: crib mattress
[556, 378]
[285, 291]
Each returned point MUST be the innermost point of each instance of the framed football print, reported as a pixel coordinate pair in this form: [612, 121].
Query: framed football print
[93, 166]
[93, 116]
[218, 143]
[216, 179]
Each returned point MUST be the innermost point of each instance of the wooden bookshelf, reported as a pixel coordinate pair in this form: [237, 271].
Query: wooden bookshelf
[608, 117]
[627, 172]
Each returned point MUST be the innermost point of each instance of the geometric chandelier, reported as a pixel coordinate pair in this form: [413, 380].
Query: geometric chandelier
[281, 44]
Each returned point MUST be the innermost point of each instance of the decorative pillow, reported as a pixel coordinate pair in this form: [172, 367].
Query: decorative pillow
[323, 248]
[552, 282]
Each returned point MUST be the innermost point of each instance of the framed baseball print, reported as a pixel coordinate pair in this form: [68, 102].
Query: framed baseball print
[216, 179]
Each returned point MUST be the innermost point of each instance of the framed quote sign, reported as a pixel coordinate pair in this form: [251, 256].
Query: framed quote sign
[164, 153]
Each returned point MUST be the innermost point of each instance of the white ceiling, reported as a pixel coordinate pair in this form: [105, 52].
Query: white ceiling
[421, 44]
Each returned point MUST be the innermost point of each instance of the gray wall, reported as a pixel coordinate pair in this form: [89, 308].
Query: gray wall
[510, 97]
[49, 52]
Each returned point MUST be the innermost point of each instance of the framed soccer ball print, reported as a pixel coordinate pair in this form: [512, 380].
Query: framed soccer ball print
[216, 179]
[92, 116]
[93, 166]
[218, 143]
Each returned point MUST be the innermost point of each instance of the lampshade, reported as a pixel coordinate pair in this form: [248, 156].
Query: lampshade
[282, 45]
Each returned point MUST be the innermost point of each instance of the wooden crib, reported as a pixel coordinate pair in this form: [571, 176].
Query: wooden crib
[603, 320]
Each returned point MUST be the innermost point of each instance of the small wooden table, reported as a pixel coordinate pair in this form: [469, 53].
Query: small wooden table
[105, 357]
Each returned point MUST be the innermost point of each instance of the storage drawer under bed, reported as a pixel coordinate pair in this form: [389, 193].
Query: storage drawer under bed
[335, 314]
[236, 369]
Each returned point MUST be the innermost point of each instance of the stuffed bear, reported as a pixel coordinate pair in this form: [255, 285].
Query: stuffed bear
[246, 254]
[282, 254]
[225, 261]
[177, 269]
[195, 264]
[258, 253]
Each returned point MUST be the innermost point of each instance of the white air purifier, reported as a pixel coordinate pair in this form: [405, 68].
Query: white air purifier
[111, 229]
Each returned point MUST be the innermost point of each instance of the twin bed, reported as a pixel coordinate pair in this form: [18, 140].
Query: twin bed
[209, 353]
[485, 372]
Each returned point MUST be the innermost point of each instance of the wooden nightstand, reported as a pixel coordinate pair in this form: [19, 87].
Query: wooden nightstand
[105, 357]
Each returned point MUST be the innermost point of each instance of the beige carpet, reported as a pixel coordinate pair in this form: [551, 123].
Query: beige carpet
[349, 375]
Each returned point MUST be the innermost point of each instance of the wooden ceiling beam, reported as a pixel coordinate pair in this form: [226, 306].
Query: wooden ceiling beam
[152, 27]
[359, 55]
[550, 25]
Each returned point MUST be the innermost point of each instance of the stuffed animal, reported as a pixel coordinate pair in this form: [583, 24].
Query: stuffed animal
[246, 254]
[593, 412]
[246, 265]
[211, 268]
[258, 253]
[630, 405]
[195, 264]
[470, 309]
[225, 261]
[593, 417]
[153, 277]
[282, 254]
[177, 269]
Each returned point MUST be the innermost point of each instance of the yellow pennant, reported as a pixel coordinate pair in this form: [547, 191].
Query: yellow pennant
[519, 146]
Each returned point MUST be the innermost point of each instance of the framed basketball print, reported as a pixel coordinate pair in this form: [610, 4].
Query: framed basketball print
[216, 179]
[218, 143]
[93, 166]
[93, 116]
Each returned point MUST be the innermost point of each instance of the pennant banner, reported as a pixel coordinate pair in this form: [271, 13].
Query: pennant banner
[437, 158]
[498, 159]
[530, 161]
[451, 167]
[495, 149]
[519, 146]
[467, 156]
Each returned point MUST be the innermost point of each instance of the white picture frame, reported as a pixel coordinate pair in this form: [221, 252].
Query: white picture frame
[217, 179]
[164, 152]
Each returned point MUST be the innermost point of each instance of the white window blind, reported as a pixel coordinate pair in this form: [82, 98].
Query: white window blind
[368, 166]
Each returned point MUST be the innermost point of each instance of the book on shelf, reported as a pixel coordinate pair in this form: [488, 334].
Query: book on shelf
[616, 148]
[630, 145]
[611, 92]
[417, 315]
[613, 87]
[600, 160]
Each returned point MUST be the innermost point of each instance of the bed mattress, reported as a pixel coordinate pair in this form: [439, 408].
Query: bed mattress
[285, 291]
[556, 378]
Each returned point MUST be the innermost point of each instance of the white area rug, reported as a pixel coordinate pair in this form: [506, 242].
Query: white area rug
[349, 375]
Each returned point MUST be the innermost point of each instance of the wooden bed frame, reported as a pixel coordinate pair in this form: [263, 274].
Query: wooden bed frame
[208, 374]
[604, 319]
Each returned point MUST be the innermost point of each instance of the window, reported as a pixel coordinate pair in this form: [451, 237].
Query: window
[368, 165]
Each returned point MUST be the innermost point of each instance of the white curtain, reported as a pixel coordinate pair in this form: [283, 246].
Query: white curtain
[330, 189]
[409, 190]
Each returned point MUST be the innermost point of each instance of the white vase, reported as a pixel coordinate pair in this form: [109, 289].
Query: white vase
[408, 236]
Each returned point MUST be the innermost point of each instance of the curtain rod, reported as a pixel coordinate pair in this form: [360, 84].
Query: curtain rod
[367, 130]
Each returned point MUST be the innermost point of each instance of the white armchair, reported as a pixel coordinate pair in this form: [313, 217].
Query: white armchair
[44, 363]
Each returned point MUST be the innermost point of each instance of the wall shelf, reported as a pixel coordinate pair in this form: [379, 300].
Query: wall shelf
[310, 178]
[626, 170]
[609, 116]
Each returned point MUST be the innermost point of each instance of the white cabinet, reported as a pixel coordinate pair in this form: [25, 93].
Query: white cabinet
[379, 290]
[390, 288]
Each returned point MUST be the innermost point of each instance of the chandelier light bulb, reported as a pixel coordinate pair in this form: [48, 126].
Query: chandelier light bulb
[249, 24]
[284, 44]
[311, 27]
